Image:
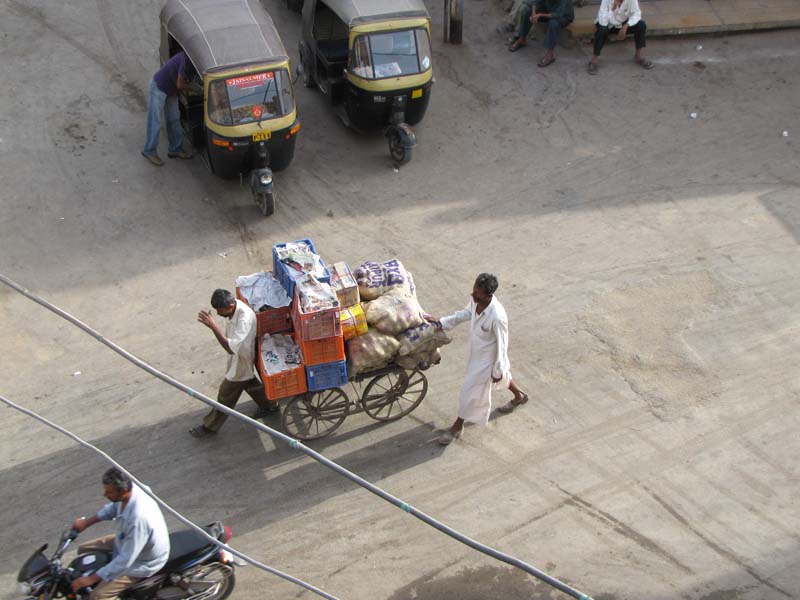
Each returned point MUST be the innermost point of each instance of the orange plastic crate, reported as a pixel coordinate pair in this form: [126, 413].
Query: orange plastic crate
[284, 384]
[316, 325]
[324, 350]
[272, 320]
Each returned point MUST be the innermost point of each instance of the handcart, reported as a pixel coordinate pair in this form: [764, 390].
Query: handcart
[389, 394]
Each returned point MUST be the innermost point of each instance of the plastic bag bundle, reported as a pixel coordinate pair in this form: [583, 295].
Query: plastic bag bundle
[370, 351]
[375, 279]
[315, 295]
[262, 290]
[422, 338]
[279, 353]
[419, 360]
[301, 259]
[394, 311]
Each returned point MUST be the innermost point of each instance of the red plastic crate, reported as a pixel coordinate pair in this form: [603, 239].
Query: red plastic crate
[316, 325]
[284, 384]
[324, 350]
[272, 320]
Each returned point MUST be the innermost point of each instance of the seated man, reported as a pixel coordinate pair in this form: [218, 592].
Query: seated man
[514, 15]
[556, 14]
[139, 549]
[620, 17]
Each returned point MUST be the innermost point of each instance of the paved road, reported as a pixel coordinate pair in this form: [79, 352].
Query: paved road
[648, 262]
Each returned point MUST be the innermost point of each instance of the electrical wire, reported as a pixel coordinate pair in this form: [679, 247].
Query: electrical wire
[474, 544]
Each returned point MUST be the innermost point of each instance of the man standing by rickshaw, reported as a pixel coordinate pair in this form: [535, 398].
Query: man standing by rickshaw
[163, 97]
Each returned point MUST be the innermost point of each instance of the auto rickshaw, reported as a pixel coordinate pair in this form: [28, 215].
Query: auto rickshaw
[372, 58]
[242, 117]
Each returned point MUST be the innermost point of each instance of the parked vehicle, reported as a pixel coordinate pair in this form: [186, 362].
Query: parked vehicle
[196, 570]
[372, 58]
[244, 121]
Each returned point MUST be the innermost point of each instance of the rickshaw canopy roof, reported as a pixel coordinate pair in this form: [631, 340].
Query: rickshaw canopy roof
[354, 12]
[217, 34]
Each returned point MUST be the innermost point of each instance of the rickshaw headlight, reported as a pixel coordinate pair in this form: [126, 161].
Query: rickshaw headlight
[25, 588]
[265, 179]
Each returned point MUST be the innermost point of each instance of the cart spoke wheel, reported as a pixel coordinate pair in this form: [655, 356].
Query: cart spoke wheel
[394, 394]
[315, 414]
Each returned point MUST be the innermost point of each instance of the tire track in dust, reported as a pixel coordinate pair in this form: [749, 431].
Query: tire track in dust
[103, 12]
[724, 552]
[38, 15]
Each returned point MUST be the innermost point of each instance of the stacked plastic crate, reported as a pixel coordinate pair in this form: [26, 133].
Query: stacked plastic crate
[319, 333]
[273, 322]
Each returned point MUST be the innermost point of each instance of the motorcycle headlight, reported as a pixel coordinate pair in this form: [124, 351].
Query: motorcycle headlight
[265, 179]
[25, 588]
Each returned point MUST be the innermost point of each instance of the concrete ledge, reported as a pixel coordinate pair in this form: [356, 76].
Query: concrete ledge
[687, 17]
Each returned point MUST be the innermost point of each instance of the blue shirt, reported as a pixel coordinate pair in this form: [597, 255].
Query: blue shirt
[141, 547]
[166, 77]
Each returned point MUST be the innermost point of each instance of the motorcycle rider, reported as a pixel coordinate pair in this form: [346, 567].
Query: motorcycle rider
[140, 547]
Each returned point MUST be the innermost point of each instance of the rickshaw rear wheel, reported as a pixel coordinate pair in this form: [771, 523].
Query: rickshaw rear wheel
[399, 152]
[314, 415]
[266, 201]
[394, 394]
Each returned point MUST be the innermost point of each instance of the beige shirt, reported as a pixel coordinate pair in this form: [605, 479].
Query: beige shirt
[241, 334]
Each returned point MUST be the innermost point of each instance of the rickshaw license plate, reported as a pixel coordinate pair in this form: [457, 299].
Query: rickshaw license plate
[261, 135]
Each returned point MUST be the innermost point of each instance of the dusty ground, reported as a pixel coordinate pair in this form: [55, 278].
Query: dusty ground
[648, 262]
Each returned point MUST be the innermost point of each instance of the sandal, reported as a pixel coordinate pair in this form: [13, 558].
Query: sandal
[447, 437]
[546, 62]
[518, 43]
[270, 409]
[510, 406]
[645, 64]
[200, 431]
[592, 68]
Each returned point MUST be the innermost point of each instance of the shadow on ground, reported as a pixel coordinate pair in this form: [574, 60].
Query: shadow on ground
[239, 475]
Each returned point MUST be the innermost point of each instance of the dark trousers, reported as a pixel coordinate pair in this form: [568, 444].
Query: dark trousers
[229, 393]
[601, 35]
[554, 27]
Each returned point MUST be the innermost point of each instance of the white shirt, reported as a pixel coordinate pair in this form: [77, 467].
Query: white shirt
[241, 334]
[627, 12]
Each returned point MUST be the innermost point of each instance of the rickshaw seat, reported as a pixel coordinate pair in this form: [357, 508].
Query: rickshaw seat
[333, 51]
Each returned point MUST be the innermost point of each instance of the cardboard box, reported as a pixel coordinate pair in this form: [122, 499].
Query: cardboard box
[354, 323]
[344, 284]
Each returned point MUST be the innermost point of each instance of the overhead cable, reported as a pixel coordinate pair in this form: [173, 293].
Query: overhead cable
[474, 544]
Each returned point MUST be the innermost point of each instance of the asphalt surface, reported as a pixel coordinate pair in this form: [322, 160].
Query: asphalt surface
[648, 261]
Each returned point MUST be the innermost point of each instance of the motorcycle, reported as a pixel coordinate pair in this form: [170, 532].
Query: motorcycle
[195, 570]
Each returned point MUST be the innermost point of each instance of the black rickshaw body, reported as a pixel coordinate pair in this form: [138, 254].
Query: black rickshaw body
[340, 51]
[235, 53]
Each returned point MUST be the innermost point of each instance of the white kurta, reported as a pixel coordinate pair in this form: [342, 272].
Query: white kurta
[488, 358]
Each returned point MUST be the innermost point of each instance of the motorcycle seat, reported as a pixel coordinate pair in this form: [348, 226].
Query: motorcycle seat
[184, 544]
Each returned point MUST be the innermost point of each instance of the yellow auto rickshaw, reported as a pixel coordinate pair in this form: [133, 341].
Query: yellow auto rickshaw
[242, 117]
[372, 58]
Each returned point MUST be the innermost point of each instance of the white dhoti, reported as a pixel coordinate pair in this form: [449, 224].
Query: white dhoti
[475, 400]
[488, 358]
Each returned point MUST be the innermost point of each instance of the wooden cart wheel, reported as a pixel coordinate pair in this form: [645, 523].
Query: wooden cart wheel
[314, 415]
[394, 394]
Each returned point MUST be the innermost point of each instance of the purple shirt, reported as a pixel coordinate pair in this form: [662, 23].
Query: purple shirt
[166, 77]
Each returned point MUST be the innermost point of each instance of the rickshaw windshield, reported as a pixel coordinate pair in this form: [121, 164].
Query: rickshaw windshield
[250, 98]
[392, 54]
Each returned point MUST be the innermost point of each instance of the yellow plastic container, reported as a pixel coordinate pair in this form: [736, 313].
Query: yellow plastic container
[354, 322]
